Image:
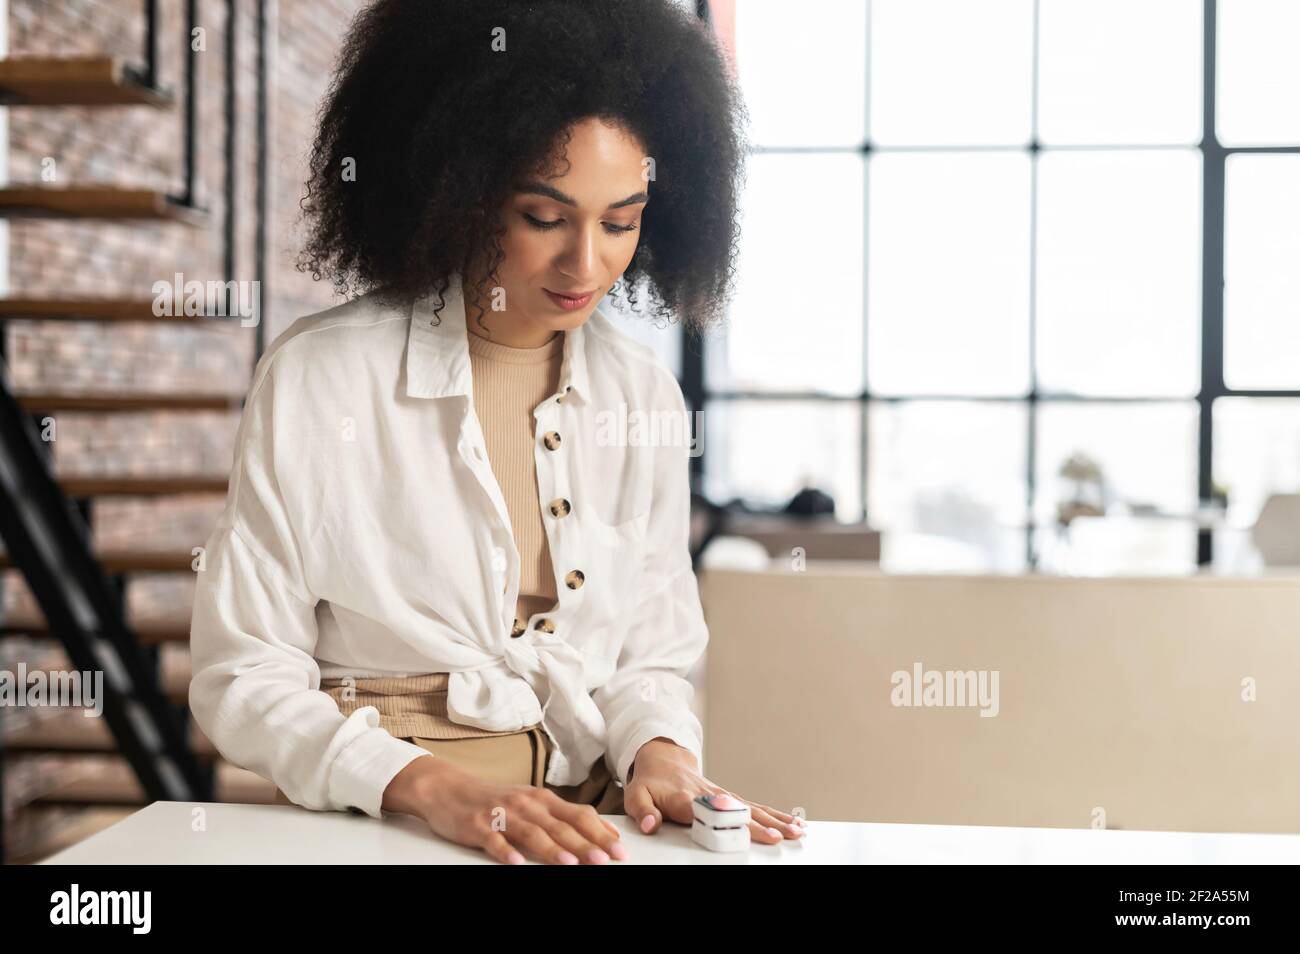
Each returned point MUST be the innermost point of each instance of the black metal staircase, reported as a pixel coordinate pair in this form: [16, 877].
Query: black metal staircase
[45, 518]
[46, 537]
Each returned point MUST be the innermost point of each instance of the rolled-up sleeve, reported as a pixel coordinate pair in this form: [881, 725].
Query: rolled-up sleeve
[649, 694]
[255, 689]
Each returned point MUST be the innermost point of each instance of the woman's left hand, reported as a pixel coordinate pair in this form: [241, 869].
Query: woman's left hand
[664, 780]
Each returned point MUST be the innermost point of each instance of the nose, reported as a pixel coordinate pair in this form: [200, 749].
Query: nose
[581, 257]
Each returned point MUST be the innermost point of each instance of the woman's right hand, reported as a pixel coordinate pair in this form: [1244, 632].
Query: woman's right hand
[509, 822]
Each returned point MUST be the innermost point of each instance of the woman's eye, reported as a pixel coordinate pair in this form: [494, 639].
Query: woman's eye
[546, 225]
[541, 224]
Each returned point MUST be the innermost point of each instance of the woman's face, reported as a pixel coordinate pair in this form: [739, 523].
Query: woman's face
[572, 235]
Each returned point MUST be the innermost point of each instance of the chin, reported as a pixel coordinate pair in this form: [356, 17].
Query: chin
[564, 320]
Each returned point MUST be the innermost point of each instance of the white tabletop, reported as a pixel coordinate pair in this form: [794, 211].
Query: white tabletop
[217, 833]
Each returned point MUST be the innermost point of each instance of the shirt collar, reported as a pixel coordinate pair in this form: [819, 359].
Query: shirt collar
[437, 356]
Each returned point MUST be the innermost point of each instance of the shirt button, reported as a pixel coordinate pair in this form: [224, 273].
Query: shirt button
[560, 507]
[545, 624]
[518, 629]
[574, 579]
[552, 440]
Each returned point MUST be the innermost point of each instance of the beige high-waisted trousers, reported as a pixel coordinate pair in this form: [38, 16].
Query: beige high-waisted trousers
[418, 704]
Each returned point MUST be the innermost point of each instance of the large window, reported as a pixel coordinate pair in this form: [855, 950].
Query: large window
[985, 238]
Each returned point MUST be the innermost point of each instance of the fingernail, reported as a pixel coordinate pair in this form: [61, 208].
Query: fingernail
[515, 858]
[647, 823]
[568, 859]
[774, 833]
[618, 851]
[597, 857]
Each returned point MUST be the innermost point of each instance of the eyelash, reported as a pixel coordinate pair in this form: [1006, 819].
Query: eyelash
[542, 226]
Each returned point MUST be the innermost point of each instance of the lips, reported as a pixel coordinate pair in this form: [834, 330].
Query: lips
[570, 300]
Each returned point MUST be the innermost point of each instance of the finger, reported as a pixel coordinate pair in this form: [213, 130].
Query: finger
[536, 842]
[497, 847]
[640, 807]
[609, 825]
[791, 825]
[572, 841]
[765, 817]
[596, 830]
[676, 806]
[763, 834]
[778, 814]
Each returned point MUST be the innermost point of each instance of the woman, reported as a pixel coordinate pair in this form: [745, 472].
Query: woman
[441, 538]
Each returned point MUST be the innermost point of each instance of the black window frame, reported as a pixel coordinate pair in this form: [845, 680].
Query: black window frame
[1214, 156]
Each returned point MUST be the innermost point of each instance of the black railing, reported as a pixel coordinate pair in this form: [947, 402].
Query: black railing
[47, 539]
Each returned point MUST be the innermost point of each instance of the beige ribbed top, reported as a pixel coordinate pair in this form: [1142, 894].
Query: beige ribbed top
[508, 384]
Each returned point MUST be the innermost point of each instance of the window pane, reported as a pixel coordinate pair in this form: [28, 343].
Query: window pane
[1117, 546]
[1256, 452]
[1000, 550]
[1118, 291]
[1146, 454]
[948, 273]
[1261, 292]
[1119, 72]
[796, 319]
[946, 483]
[1258, 72]
[766, 451]
[951, 72]
[802, 71]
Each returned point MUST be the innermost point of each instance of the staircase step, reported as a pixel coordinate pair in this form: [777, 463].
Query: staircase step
[154, 633]
[50, 401]
[94, 309]
[141, 486]
[60, 832]
[116, 784]
[174, 678]
[132, 561]
[94, 202]
[72, 731]
[73, 81]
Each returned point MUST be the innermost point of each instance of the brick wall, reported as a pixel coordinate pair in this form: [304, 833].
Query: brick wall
[143, 147]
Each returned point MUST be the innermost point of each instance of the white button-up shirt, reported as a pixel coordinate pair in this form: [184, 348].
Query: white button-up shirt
[364, 534]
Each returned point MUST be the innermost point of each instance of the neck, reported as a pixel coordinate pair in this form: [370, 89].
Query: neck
[504, 333]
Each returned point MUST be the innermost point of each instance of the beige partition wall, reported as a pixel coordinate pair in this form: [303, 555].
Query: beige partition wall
[1152, 703]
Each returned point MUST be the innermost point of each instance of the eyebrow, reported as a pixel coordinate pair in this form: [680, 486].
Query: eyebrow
[539, 188]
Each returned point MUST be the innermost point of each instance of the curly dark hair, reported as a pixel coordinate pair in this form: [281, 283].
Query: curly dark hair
[441, 127]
